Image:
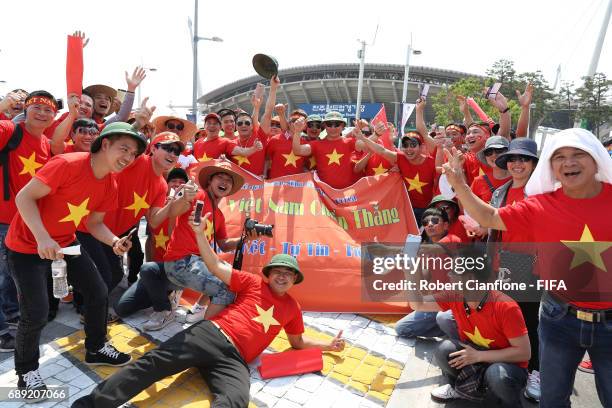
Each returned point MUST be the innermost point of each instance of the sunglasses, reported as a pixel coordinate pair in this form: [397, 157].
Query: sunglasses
[500, 150]
[243, 123]
[172, 126]
[275, 125]
[334, 124]
[366, 132]
[522, 159]
[431, 220]
[170, 148]
[410, 143]
[314, 125]
[92, 131]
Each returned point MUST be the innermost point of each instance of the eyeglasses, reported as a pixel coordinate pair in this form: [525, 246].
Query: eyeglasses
[314, 125]
[243, 123]
[334, 124]
[170, 148]
[172, 126]
[366, 132]
[522, 159]
[410, 143]
[431, 220]
[92, 131]
[498, 151]
[275, 125]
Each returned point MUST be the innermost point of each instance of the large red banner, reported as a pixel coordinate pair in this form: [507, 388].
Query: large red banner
[323, 228]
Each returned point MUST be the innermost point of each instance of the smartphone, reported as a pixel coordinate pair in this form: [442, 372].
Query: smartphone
[197, 216]
[424, 91]
[259, 90]
[132, 232]
[492, 92]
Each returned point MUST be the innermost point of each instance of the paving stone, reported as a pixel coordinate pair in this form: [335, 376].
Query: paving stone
[298, 395]
[284, 403]
[265, 399]
[82, 381]
[279, 386]
[68, 374]
[49, 370]
[309, 382]
[256, 386]
[360, 321]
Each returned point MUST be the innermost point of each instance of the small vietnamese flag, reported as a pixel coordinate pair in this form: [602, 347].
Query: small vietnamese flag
[381, 116]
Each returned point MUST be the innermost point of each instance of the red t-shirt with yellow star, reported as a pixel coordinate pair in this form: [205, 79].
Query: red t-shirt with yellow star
[499, 320]
[67, 204]
[160, 236]
[333, 158]
[578, 233]
[255, 162]
[283, 161]
[31, 154]
[474, 168]
[183, 241]
[481, 188]
[257, 315]
[377, 164]
[139, 190]
[204, 150]
[419, 179]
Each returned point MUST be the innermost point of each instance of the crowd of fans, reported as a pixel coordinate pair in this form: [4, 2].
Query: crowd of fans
[84, 177]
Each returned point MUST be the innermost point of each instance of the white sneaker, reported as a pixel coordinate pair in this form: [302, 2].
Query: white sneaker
[175, 298]
[196, 313]
[532, 390]
[445, 392]
[159, 320]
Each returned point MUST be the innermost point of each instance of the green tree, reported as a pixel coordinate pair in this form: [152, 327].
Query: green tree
[593, 101]
[543, 102]
[565, 102]
[503, 71]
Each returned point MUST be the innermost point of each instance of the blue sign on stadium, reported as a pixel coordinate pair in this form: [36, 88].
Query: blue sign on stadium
[348, 110]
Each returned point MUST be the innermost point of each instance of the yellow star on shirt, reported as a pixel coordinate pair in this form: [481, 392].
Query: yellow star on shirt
[76, 212]
[334, 157]
[266, 317]
[161, 239]
[477, 338]
[480, 172]
[209, 230]
[380, 170]
[204, 158]
[139, 203]
[290, 159]
[312, 162]
[241, 160]
[587, 250]
[416, 184]
[30, 164]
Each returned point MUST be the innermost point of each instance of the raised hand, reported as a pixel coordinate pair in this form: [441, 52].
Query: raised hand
[144, 113]
[135, 79]
[81, 35]
[201, 227]
[74, 102]
[420, 105]
[380, 128]
[280, 109]
[453, 168]
[500, 101]
[298, 126]
[526, 97]
[274, 82]
[337, 343]
[462, 103]
[11, 100]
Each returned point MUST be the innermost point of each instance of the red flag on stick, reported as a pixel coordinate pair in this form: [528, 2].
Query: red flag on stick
[381, 116]
[74, 65]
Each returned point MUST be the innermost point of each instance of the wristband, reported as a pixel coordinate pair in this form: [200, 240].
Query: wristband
[505, 110]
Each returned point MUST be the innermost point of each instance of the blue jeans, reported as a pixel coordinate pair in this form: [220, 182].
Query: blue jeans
[9, 307]
[504, 381]
[191, 272]
[563, 341]
[151, 289]
[418, 324]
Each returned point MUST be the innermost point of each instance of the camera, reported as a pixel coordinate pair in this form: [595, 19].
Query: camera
[260, 229]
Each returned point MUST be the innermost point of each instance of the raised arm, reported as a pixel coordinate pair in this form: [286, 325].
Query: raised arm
[420, 125]
[505, 119]
[374, 147]
[524, 101]
[270, 103]
[216, 266]
[486, 215]
[281, 111]
[62, 130]
[465, 109]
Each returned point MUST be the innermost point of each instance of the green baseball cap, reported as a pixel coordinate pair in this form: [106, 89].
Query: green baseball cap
[334, 116]
[288, 262]
[119, 128]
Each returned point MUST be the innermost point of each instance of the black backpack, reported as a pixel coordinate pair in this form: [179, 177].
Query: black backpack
[13, 143]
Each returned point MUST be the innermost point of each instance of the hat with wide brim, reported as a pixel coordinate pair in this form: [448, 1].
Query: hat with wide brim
[188, 132]
[441, 199]
[334, 116]
[265, 65]
[518, 147]
[204, 171]
[93, 90]
[284, 260]
[119, 128]
[493, 142]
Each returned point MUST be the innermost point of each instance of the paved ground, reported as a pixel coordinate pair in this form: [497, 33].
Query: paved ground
[377, 369]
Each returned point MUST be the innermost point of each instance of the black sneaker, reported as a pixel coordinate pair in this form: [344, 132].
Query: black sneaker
[107, 355]
[13, 322]
[32, 381]
[7, 342]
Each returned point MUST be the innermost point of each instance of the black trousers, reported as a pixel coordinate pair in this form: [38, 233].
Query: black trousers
[31, 275]
[531, 314]
[135, 257]
[201, 345]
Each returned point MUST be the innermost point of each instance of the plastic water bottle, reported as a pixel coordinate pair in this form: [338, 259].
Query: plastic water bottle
[60, 278]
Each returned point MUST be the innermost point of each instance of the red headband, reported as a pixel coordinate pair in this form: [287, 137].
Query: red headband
[455, 127]
[485, 128]
[41, 100]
